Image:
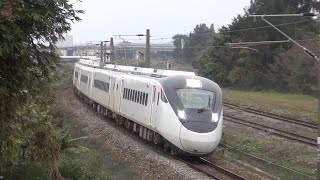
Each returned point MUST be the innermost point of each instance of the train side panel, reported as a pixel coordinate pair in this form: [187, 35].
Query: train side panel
[167, 124]
[101, 88]
[76, 74]
[136, 101]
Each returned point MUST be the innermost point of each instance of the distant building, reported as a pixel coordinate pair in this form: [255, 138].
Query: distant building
[66, 42]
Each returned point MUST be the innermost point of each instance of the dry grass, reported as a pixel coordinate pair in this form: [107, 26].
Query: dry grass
[292, 105]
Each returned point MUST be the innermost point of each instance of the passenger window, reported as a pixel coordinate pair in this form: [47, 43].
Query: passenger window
[133, 95]
[124, 93]
[127, 93]
[138, 100]
[142, 99]
[146, 100]
[158, 98]
[129, 97]
[117, 86]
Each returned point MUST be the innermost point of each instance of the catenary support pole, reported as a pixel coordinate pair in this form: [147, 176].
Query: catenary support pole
[101, 54]
[112, 59]
[147, 53]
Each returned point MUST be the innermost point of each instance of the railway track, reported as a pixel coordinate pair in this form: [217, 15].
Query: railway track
[271, 115]
[198, 163]
[212, 170]
[280, 168]
[273, 130]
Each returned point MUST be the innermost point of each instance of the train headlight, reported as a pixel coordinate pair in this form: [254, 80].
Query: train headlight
[215, 117]
[181, 114]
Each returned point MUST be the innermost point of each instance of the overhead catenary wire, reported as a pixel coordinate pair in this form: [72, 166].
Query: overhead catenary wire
[212, 33]
[228, 44]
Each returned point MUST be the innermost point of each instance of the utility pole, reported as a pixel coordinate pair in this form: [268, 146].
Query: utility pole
[311, 54]
[112, 50]
[101, 54]
[105, 53]
[147, 53]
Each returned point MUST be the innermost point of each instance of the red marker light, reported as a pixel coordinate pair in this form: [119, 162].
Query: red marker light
[158, 89]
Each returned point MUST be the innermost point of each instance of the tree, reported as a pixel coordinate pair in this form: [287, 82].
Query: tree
[178, 42]
[28, 32]
[194, 43]
[271, 66]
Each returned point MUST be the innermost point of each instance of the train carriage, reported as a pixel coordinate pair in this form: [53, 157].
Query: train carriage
[178, 109]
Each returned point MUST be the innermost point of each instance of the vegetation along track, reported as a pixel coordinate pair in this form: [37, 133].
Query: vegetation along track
[211, 169]
[271, 115]
[272, 130]
[251, 157]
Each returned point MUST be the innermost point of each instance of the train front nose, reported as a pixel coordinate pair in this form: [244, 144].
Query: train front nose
[197, 142]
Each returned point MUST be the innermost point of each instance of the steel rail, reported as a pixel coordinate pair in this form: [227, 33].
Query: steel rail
[214, 166]
[272, 130]
[256, 158]
[272, 115]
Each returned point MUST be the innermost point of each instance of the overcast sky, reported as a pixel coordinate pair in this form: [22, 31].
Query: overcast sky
[164, 18]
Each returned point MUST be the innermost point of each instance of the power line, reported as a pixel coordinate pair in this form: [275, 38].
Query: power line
[211, 33]
[240, 30]
[255, 28]
[228, 46]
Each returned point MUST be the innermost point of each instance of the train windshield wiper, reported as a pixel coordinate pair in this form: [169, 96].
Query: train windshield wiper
[200, 110]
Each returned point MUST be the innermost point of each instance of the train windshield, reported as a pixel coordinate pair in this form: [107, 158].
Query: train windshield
[196, 98]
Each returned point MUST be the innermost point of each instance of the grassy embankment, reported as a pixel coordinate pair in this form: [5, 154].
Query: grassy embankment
[291, 105]
[297, 106]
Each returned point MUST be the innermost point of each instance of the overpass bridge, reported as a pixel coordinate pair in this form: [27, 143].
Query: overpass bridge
[121, 49]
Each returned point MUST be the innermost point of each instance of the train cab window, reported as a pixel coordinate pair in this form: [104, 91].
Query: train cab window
[196, 98]
[163, 97]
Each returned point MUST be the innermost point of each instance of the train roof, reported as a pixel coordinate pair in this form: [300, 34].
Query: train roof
[94, 62]
[171, 79]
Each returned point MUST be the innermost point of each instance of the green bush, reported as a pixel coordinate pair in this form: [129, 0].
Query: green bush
[86, 165]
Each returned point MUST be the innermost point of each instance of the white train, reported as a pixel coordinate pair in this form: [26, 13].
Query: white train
[174, 108]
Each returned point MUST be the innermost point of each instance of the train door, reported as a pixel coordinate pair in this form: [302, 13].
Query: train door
[154, 105]
[112, 91]
[89, 84]
[117, 94]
